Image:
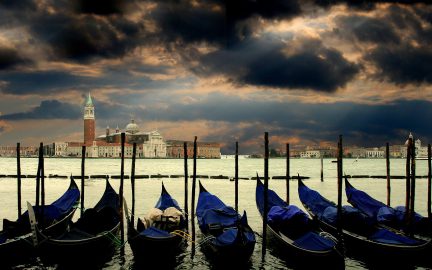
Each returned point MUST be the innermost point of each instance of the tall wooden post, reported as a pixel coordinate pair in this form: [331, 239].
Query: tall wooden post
[38, 175]
[42, 220]
[236, 178]
[429, 183]
[186, 185]
[287, 184]
[83, 156]
[339, 175]
[322, 166]
[408, 180]
[123, 138]
[265, 212]
[193, 195]
[388, 174]
[18, 152]
[133, 183]
[413, 187]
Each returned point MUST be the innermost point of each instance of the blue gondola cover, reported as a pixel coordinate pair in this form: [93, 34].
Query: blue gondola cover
[165, 201]
[280, 216]
[155, 232]
[313, 241]
[386, 236]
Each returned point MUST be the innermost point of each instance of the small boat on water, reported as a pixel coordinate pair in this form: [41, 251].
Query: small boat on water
[385, 215]
[16, 237]
[361, 234]
[91, 239]
[162, 234]
[297, 237]
[227, 237]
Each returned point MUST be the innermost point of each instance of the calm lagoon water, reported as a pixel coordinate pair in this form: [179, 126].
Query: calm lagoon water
[148, 190]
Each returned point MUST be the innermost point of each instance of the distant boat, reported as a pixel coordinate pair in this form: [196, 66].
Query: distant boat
[334, 161]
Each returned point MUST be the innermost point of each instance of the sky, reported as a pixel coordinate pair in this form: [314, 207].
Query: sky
[303, 70]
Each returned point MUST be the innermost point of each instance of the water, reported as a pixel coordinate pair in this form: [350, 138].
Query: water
[148, 190]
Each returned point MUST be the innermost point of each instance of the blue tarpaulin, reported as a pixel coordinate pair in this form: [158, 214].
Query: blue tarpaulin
[165, 201]
[280, 216]
[315, 201]
[155, 232]
[312, 241]
[388, 237]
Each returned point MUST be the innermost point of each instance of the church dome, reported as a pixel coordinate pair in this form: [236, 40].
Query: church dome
[132, 127]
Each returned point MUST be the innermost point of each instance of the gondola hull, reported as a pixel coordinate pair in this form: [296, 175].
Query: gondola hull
[144, 247]
[90, 250]
[238, 254]
[21, 249]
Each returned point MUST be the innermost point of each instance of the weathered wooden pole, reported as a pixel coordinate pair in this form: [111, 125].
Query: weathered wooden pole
[133, 183]
[186, 185]
[193, 195]
[413, 187]
[42, 189]
[265, 210]
[236, 178]
[322, 166]
[429, 211]
[408, 181]
[83, 154]
[123, 138]
[388, 174]
[340, 183]
[18, 152]
[287, 173]
[38, 175]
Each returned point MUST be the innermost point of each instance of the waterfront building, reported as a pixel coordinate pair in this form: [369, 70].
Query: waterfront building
[175, 149]
[374, 152]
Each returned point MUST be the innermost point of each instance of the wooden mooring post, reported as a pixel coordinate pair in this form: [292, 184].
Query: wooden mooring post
[186, 185]
[388, 174]
[429, 212]
[236, 178]
[38, 174]
[83, 156]
[287, 173]
[123, 138]
[339, 186]
[193, 194]
[265, 210]
[133, 183]
[322, 167]
[408, 180]
[413, 188]
[18, 152]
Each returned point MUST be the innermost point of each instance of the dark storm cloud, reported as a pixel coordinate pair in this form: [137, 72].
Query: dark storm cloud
[361, 124]
[84, 38]
[367, 29]
[48, 109]
[23, 83]
[263, 62]
[100, 7]
[216, 21]
[10, 58]
[403, 65]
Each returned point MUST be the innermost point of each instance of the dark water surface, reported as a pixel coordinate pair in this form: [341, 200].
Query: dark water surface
[148, 191]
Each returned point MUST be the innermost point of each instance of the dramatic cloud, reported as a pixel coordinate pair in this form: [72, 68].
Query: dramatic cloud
[9, 58]
[367, 29]
[404, 65]
[265, 62]
[48, 109]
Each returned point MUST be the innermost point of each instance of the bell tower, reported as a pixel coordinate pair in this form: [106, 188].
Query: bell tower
[89, 121]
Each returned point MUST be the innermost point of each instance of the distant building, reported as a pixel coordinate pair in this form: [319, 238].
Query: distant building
[175, 149]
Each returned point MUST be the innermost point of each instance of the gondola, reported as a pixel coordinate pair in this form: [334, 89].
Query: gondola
[161, 236]
[15, 238]
[361, 234]
[296, 236]
[227, 236]
[91, 239]
[385, 215]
